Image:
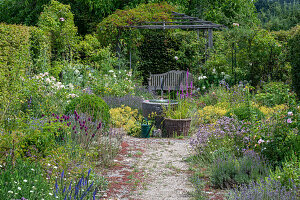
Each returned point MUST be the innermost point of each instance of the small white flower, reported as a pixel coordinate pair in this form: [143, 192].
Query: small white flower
[55, 167]
[115, 76]
[278, 176]
[33, 187]
[36, 180]
[290, 113]
[31, 191]
[176, 58]
[19, 188]
[203, 87]
[77, 71]
[25, 181]
[50, 194]
[204, 77]
[222, 73]
[10, 192]
[15, 182]
[214, 71]
[111, 71]
[0, 165]
[236, 24]
[48, 164]
[32, 169]
[46, 73]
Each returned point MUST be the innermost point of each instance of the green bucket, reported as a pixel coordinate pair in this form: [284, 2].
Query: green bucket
[146, 128]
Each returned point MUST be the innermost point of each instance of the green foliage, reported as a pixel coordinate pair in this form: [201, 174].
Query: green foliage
[228, 171]
[224, 11]
[274, 93]
[91, 105]
[249, 54]
[100, 58]
[180, 111]
[290, 170]
[279, 16]
[294, 50]
[22, 179]
[58, 20]
[38, 143]
[108, 29]
[245, 112]
[14, 60]
[40, 46]
[21, 12]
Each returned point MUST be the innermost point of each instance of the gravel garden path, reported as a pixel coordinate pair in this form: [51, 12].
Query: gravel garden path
[152, 168]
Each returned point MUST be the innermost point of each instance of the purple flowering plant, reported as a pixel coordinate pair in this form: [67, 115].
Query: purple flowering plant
[82, 189]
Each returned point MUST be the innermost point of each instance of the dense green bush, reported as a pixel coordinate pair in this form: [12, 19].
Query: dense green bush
[273, 93]
[58, 20]
[245, 112]
[250, 54]
[290, 170]
[294, 49]
[14, 60]
[40, 46]
[91, 105]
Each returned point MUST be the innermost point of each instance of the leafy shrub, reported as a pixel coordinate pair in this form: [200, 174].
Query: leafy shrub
[275, 138]
[91, 105]
[40, 47]
[264, 189]
[273, 93]
[228, 170]
[115, 83]
[14, 60]
[210, 114]
[100, 58]
[289, 173]
[270, 111]
[22, 180]
[294, 51]
[58, 20]
[245, 112]
[43, 94]
[127, 118]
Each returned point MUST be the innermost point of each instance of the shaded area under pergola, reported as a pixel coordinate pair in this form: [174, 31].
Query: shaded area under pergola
[184, 22]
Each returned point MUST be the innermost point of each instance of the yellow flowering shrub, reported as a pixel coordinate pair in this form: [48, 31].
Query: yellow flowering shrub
[268, 112]
[210, 114]
[126, 118]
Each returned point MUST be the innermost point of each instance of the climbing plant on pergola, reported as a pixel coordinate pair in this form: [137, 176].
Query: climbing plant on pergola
[153, 16]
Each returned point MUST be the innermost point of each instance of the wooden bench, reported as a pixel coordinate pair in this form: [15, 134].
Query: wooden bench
[171, 80]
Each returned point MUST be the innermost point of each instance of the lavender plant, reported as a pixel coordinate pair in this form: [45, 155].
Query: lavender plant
[84, 188]
[264, 189]
[209, 136]
[228, 170]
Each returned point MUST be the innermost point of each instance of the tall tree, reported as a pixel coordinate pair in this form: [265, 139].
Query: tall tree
[224, 11]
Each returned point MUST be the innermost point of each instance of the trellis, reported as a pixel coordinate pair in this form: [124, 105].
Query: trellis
[185, 22]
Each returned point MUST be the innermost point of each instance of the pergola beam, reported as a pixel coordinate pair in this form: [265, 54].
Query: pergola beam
[207, 26]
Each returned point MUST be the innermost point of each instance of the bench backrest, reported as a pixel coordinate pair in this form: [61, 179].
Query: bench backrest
[171, 80]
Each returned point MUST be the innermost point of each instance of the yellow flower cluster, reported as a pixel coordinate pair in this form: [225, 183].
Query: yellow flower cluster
[268, 112]
[125, 117]
[211, 114]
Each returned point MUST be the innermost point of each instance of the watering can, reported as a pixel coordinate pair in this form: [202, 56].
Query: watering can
[146, 128]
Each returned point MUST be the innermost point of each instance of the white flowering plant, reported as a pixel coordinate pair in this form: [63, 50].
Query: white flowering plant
[44, 94]
[115, 83]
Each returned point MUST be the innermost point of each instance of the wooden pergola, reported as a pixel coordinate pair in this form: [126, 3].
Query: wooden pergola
[185, 22]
